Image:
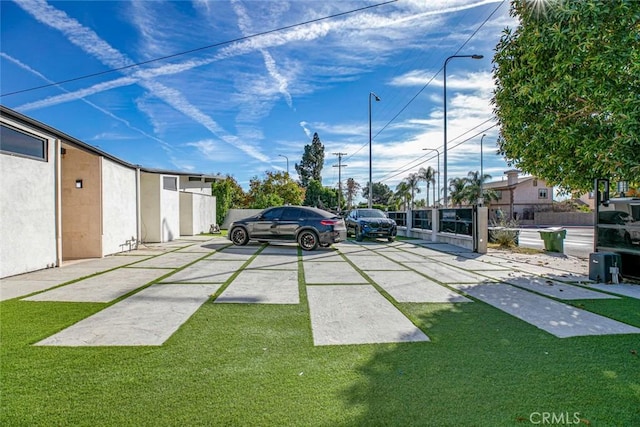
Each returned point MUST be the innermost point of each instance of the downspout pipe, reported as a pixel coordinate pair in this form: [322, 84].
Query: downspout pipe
[138, 209]
[58, 199]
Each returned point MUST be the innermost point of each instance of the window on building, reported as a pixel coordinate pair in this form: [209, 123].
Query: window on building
[17, 142]
[542, 193]
[535, 182]
[170, 183]
[499, 194]
[195, 178]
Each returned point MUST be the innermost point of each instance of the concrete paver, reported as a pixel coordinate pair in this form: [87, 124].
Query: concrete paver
[409, 286]
[236, 253]
[208, 270]
[398, 255]
[328, 255]
[374, 262]
[340, 272]
[169, 260]
[149, 317]
[444, 273]
[553, 288]
[471, 264]
[17, 288]
[262, 287]
[275, 262]
[357, 314]
[627, 290]
[554, 317]
[344, 308]
[104, 287]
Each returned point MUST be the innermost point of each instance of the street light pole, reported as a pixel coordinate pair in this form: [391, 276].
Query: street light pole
[436, 150]
[370, 174]
[446, 199]
[481, 198]
[282, 155]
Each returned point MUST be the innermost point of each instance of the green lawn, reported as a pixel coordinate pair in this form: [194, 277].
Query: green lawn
[255, 365]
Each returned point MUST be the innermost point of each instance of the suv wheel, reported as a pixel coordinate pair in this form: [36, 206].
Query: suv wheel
[308, 240]
[239, 236]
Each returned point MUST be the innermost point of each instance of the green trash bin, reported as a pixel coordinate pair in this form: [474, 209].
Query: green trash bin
[553, 239]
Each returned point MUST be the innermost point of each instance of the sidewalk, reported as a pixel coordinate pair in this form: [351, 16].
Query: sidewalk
[353, 291]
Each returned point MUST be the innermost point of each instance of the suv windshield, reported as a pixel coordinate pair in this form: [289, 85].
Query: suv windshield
[371, 213]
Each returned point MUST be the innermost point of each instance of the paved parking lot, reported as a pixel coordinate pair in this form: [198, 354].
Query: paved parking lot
[353, 291]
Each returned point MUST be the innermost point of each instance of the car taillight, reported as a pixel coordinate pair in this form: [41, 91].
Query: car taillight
[330, 222]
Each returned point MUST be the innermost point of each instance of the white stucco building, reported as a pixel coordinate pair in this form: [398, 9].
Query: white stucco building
[63, 199]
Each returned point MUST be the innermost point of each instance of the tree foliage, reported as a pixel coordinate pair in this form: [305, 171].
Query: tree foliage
[469, 189]
[381, 193]
[428, 176]
[276, 189]
[228, 195]
[568, 91]
[351, 191]
[310, 166]
[319, 196]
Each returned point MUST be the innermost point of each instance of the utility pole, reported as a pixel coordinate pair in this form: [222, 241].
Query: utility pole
[339, 166]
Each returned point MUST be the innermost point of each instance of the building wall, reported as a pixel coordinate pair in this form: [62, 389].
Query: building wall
[160, 208]
[197, 213]
[191, 186]
[27, 210]
[170, 212]
[81, 206]
[119, 213]
[150, 207]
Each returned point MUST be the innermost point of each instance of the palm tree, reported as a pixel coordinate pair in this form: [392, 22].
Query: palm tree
[403, 192]
[457, 187]
[475, 188]
[412, 181]
[428, 175]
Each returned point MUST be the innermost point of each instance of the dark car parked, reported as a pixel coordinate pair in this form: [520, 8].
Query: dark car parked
[370, 223]
[310, 227]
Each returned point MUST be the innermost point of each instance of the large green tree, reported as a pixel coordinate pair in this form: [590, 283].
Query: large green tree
[277, 188]
[229, 195]
[568, 91]
[381, 193]
[310, 166]
[319, 196]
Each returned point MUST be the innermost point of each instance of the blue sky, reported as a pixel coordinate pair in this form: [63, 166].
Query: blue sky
[238, 107]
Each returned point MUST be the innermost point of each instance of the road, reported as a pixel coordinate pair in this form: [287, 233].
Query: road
[578, 242]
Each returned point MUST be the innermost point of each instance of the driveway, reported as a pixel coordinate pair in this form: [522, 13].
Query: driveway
[352, 290]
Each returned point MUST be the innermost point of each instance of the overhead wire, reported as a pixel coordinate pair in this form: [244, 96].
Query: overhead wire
[413, 98]
[198, 49]
[399, 172]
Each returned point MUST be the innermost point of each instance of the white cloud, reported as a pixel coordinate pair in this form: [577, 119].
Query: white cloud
[91, 43]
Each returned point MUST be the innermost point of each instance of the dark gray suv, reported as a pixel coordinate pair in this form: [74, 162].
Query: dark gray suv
[310, 227]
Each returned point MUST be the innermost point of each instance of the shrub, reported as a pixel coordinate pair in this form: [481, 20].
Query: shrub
[504, 232]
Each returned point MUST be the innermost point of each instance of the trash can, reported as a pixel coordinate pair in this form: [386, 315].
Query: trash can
[553, 239]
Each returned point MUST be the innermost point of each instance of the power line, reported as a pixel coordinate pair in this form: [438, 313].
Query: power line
[211, 46]
[406, 167]
[430, 80]
[451, 148]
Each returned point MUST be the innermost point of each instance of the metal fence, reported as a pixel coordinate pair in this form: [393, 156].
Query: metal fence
[399, 217]
[457, 221]
[422, 219]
